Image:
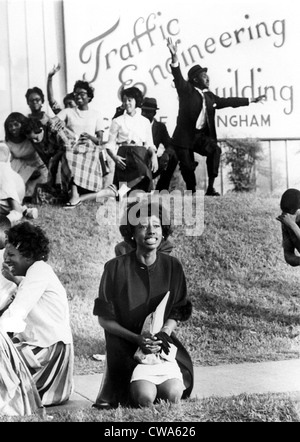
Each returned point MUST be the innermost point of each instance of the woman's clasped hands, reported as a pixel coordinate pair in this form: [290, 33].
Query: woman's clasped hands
[154, 343]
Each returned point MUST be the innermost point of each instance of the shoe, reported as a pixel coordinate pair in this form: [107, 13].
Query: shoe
[212, 192]
[69, 205]
[31, 213]
[102, 406]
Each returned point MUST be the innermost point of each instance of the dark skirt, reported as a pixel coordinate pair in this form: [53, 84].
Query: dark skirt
[137, 166]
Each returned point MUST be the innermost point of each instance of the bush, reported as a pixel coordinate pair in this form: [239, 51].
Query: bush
[241, 155]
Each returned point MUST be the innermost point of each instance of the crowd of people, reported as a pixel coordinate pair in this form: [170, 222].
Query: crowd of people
[143, 296]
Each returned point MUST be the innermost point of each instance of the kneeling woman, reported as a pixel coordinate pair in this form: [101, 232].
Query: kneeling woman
[132, 287]
[38, 318]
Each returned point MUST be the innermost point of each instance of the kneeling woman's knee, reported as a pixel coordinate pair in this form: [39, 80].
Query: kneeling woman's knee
[143, 394]
[171, 391]
[174, 395]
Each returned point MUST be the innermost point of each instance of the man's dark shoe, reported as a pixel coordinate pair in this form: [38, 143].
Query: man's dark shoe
[212, 192]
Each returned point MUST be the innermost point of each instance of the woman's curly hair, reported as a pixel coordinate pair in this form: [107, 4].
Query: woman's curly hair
[149, 207]
[81, 84]
[30, 240]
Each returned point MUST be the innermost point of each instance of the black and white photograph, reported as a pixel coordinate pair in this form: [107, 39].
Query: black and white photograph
[149, 213]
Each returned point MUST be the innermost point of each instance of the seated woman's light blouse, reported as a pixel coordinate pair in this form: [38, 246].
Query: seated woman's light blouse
[127, 128]
[39, 314]
[7, 288]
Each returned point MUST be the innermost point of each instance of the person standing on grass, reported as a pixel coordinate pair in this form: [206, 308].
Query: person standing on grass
[131, 288]
[38, 318]
[290, 225]
[195, 130]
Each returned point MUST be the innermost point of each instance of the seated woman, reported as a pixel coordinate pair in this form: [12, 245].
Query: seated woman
[24, 158]
[16, 398]
[132, 287]
[18, 394]
[38, 317]
[12, 190]
[7, 287]
[290, 226]
[84, 155]
[51, 142]
[130, 145]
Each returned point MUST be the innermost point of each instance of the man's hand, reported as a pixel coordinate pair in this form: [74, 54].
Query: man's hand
[154, 163]
[173, 49]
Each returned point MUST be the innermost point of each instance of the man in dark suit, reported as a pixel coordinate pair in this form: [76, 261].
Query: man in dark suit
[167, 162]
[195, 129]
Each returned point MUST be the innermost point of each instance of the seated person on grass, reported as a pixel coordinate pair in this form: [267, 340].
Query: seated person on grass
[12, 190]
[24, 158]
[290, 225]
[38, 318]
[7, 287]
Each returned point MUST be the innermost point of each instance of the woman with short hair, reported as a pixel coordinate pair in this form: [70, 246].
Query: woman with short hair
[132, 287]
[83, 155]
[38, 318]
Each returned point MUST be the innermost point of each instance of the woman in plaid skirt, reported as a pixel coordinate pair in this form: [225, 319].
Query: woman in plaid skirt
[83, 155]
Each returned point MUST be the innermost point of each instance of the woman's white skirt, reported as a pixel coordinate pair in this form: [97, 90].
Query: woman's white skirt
[157, 373]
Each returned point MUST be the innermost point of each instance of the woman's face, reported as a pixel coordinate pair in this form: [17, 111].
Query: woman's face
[14, 128]
[17, 263]
[129, 104]
[81, 97]
[35, 137]
[35, 102]
[69, 103]
[148, 233]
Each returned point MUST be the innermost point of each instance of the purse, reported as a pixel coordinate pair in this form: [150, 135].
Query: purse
[153, 324]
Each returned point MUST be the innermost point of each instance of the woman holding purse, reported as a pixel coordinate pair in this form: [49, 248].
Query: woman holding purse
[132, 287]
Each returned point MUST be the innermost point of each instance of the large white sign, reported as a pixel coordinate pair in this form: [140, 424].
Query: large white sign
[249, 47]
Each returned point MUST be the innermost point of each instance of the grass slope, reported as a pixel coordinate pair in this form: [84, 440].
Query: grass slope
[245, 297]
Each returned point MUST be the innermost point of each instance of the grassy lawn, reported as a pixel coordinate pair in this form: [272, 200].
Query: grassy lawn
[245, 297]
[243, 408]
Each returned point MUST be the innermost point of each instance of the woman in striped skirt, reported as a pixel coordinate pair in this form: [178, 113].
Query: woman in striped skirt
[38, 318]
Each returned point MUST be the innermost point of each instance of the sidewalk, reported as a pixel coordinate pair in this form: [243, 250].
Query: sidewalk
[222, 381]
